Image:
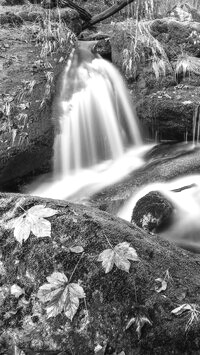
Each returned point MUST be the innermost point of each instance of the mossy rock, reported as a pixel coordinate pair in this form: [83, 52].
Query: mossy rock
[112, 299]
[153, 212]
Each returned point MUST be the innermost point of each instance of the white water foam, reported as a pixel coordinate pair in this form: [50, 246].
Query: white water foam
[99, 140]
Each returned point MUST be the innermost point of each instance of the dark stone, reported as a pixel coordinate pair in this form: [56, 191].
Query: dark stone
[103, 48]
[152, 212]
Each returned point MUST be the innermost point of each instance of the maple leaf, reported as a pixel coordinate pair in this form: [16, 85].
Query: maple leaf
[119, 256]
[60, 295]
[33, 221]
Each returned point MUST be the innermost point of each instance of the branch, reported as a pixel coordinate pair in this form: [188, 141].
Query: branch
[184, 188]
[85, 15]
[107, 13]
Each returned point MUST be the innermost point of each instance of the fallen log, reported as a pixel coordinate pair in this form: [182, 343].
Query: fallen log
[88, 19]
[107, 13]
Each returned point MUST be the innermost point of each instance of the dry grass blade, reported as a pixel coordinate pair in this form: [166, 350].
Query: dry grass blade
[143, 46]
[187, 64]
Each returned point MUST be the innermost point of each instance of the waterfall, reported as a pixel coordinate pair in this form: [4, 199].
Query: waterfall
[98, 139]
[97, 122]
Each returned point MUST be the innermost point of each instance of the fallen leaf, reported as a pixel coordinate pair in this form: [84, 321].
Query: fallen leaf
[139, 321]
[163, 285]
[16, 290]
[183, 308]
[60, 295]
[119, 256]
[33, 221]
[78, 249]
[99, 350]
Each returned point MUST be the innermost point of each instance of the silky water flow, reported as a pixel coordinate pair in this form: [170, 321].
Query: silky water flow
[98, 140]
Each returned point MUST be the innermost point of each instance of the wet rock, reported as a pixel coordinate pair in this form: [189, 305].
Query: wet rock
[31, 64]
[152, 212]
[112, 301]
[171, 113]
[103, 48]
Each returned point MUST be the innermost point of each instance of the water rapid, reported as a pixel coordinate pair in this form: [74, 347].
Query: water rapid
[184, 193]
[98, 140]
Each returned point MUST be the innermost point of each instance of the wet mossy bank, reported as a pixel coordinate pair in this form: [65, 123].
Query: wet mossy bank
[112, 299]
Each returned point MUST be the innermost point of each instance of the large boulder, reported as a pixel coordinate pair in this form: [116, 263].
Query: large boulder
[171, 113]
[32, 60]
[122, 312]
[153, 212]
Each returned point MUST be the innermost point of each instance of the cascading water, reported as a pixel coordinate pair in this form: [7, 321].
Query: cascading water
[97, 120]
[99, 140]
[184, 193]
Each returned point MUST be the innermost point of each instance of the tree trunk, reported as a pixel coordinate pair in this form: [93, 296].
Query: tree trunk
[107, 13]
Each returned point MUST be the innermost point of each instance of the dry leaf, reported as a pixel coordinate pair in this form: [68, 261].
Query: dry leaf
[183, 308]
[163, 285]
[119, 256]
[99, 350]
[139, 321]
[33, 221]
[60, 295]
[78, 249]
[16, 290]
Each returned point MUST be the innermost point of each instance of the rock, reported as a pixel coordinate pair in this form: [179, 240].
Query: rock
[115, 303]
[11, 19]
[173, 35]
[88, 35]
[185, 13]
[170, 113]
[103, 48]
[152, 212]
[31, 64]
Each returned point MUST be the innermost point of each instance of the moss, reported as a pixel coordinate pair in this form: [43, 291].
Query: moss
[111, 299]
